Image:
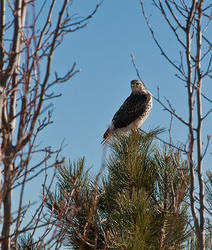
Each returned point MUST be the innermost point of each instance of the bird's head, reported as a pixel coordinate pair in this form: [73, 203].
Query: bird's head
[137, 86]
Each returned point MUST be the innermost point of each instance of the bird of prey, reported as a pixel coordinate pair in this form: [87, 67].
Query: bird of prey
[133, 111]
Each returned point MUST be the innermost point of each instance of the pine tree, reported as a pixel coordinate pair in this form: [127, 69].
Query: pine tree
[26, 242]
[144, 193]
[140, 204]
[72, 205]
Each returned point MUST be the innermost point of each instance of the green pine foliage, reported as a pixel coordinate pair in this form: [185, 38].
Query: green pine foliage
[209, 190]
[140, 202]
[72, 204]
[144, 194]
[26, 242]
[192, 242]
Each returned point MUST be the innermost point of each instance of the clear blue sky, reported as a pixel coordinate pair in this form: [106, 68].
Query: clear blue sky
[102, 51]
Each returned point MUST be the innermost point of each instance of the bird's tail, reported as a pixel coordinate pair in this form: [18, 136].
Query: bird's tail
[108, 134]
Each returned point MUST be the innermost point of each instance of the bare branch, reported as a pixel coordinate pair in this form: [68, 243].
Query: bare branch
[206, 147]
[173, 15]
[201, 234]
[197, 48]
[2, 32]
[157, 43]
[208, 7]
[206, 114]
[136, 69]
[23, 91]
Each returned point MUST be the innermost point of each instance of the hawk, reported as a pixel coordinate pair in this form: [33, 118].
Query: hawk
[133, 111]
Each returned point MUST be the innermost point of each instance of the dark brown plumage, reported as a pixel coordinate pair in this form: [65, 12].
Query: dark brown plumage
[133, 111]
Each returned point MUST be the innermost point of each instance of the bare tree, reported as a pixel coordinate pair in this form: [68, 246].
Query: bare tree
[189, 22]
[30, 32]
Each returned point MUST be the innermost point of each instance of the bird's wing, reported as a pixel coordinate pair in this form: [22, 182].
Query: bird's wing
[133, 107]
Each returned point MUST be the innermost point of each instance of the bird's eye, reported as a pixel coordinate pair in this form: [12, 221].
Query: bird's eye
[137, 83]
